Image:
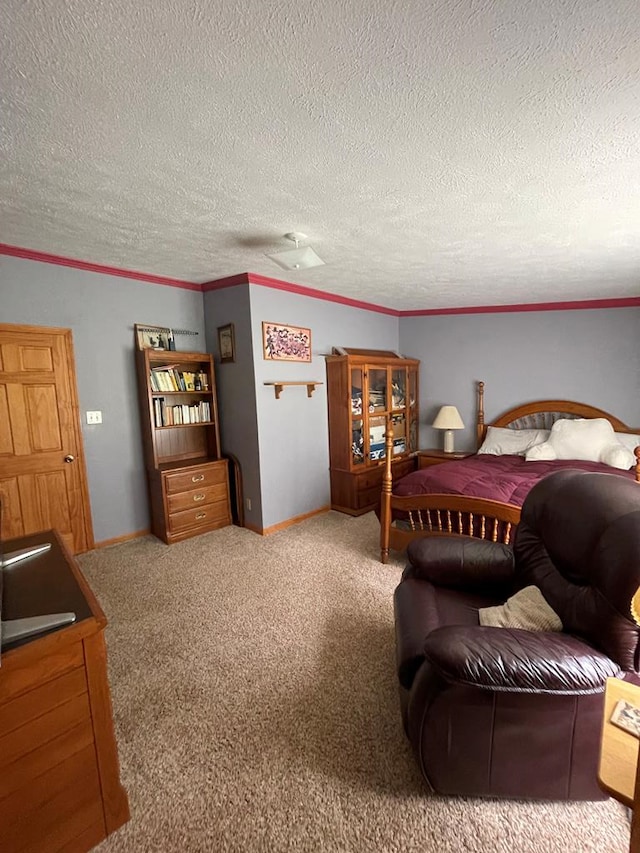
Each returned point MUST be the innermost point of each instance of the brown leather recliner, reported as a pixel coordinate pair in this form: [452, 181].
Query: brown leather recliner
[512, 713]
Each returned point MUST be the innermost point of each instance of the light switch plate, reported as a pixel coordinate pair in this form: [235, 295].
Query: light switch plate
[94, 417]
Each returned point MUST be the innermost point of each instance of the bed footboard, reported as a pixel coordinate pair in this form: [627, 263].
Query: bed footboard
[440, 515]
[445, 515]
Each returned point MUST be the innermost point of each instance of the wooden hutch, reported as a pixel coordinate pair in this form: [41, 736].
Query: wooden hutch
[369, 391]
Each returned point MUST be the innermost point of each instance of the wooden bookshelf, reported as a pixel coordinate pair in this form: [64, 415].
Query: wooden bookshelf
[188, 479]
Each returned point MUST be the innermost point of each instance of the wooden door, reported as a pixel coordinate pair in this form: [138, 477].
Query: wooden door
[43, 481]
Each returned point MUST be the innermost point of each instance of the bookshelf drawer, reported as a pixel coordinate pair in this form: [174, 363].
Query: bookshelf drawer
[196, 478]
[203, 516]
[197, 497]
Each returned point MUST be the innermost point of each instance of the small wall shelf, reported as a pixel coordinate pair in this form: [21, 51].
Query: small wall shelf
[279, 386]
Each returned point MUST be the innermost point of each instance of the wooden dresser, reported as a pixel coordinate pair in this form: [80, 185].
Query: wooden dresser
[59, 776]
[189, 499]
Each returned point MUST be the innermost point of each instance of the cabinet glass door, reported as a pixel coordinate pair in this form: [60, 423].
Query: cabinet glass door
[399, 429]
[357, 442]
[413, 409]
[398, 388]
[377, 389]
[356, 391]
[377, 429]
[357, 426]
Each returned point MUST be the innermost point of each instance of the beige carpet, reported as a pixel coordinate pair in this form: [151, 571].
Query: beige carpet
[256, 710]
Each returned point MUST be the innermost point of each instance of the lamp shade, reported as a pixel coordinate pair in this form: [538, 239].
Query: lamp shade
[448, 418]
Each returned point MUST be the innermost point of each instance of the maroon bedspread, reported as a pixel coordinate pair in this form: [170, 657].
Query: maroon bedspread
[498, 478]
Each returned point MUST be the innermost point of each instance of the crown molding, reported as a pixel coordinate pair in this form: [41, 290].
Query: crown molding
[576, 305]
[74, 263]
[301, 290]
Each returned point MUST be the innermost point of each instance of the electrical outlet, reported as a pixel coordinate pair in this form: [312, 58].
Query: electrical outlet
[94, 417]
[249, 504]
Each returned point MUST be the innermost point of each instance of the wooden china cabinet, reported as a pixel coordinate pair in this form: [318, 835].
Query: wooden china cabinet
[188, 479]
[369, 391]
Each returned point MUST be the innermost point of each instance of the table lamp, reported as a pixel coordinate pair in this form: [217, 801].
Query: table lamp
[448, 419]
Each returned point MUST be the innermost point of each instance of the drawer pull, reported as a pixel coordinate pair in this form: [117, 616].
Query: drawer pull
[200, 516]
[199, 497]
[197, 478]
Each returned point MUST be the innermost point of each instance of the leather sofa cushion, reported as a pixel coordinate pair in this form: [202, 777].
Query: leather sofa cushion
[578, 541]
[514, 660]
[458, 562]
[420, 608]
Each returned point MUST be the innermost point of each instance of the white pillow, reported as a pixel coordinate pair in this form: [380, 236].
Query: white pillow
[618, 456]
[628, 439]
[511, 442]
[582, 438]
[539, 452]
[526, 609]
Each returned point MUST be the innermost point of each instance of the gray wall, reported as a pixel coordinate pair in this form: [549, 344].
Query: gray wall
[293, 431]
[236, 388]
[282, 445]
[592, 356]
[101, 310]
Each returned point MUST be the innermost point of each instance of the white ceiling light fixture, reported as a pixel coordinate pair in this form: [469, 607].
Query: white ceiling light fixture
[298, 258]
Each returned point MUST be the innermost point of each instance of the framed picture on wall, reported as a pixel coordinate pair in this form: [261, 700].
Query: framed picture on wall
[153, 337]
[226, 343]
[286, 343]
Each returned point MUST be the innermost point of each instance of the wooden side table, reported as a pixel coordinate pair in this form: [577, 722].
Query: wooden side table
[431, 456]
[618, 767]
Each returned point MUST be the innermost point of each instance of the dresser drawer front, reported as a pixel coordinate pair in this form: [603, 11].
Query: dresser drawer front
[201, 516]
[368, 497]
[196, 478]
[197, 497]
[371, 478]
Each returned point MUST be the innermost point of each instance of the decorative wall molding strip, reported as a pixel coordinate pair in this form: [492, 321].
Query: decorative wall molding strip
[277, 284]
[577, 305]
[229, 281]
[59, 260]
[117, 540]
[320, 294]
[301, 290]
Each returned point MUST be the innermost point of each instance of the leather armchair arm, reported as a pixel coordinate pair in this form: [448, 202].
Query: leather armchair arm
[460, 563]
[518, 661]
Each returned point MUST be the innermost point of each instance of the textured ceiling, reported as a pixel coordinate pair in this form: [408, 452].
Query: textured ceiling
[438, 153]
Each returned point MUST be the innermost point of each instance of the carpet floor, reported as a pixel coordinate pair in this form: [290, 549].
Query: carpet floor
[256, 706]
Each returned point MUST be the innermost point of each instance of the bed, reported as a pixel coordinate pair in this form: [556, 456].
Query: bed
[481, 496]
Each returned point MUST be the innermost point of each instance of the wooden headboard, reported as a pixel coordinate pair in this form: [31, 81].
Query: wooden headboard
[542, 414]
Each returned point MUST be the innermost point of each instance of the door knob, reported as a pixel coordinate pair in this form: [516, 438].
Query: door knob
[69, 458]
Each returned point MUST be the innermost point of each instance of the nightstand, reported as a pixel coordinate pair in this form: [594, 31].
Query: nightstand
[431, 456]
[618, 767]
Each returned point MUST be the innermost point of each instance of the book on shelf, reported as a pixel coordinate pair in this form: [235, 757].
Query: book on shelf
[180, 414]
[167, 378]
